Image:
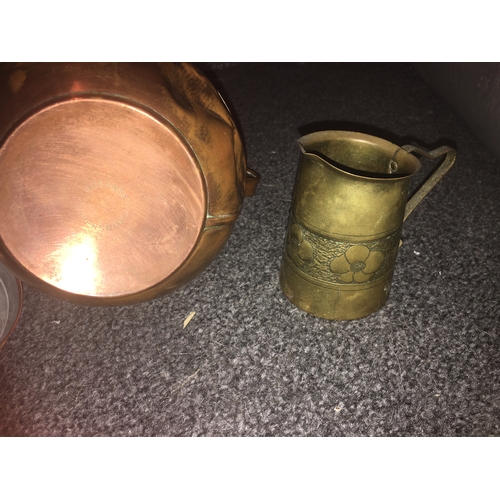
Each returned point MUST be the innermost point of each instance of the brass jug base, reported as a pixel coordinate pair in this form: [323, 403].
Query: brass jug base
[333, 302]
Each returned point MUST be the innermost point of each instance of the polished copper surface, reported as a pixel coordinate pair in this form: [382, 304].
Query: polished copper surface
[97, 208]
[118, 182]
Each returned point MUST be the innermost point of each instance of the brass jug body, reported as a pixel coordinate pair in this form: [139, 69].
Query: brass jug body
[119, 182]
[346, 218]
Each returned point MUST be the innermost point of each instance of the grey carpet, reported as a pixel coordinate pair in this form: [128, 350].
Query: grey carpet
[251, 364]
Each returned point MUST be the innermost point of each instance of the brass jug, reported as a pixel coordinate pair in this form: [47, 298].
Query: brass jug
[348, 209]
[119, 182]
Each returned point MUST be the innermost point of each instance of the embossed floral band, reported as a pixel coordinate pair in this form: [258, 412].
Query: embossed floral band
[348, 209]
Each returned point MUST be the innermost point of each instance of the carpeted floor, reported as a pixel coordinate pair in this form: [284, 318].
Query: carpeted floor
[251, 364]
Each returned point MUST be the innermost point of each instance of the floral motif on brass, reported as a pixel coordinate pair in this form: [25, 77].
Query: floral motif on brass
[340, 261]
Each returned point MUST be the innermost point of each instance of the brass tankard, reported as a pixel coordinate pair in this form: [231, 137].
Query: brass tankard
[348, 209]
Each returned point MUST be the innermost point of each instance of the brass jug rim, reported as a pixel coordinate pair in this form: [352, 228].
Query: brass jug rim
[320, 143]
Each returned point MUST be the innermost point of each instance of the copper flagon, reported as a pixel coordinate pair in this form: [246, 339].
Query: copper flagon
[119, 182]
[348, 209]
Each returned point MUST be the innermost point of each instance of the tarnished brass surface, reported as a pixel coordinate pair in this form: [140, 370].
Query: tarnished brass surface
[118, 182]
[348, 208]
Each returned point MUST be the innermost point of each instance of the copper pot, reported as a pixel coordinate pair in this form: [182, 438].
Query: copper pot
[119, 182]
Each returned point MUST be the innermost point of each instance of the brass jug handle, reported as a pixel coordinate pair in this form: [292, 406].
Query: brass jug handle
[251, 180]
[439, 173]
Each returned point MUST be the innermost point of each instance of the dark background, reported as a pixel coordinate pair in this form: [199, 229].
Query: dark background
[251, 364]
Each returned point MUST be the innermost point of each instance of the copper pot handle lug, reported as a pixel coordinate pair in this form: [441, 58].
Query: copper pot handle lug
[251, 180]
